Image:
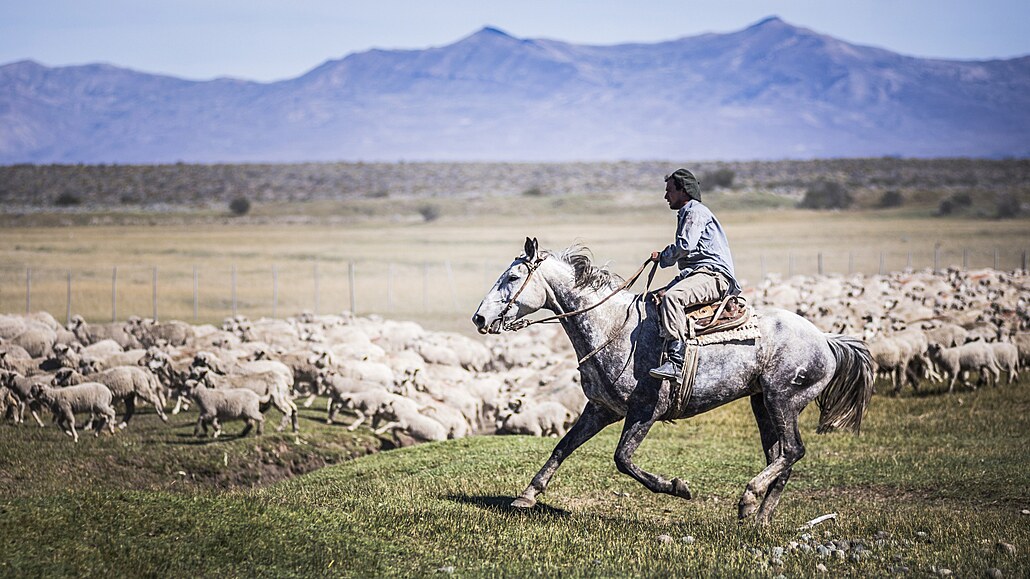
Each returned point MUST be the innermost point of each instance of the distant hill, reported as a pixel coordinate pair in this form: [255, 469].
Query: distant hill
[770, 91]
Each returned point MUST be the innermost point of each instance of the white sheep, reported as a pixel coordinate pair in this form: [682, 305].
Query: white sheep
[338, 389]
[171, 333]
[1007, 356]
[974, 356]
[226, 404]
[92, 333]
[37, 340]
[546, 418]
[402, 417]
[92, 397]
[270, 386]
[127, 383]
[20, 387]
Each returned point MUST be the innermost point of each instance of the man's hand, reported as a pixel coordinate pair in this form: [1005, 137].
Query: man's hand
[657, 296]
[655, 255]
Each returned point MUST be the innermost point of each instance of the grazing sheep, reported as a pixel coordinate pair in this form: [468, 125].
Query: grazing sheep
[974, 356]
[1007, 356]
[171, 374]
[16, 359]
[92, 397]
[227, 404]
[171, 333]
[92, 333]
[127, 383]
[37, 340]
[20, 388]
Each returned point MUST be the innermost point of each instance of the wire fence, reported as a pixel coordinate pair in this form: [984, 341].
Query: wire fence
[202, 294]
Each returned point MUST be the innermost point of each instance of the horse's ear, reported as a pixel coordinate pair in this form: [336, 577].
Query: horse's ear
[531, 248]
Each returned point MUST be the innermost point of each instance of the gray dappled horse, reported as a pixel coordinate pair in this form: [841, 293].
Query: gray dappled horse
[790, 365]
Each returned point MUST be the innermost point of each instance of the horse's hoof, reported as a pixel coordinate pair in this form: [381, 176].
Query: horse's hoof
[680, 489]
[747, 506]
[523, 503]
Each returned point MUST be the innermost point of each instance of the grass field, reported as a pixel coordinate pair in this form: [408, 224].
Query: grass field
[436, 272]
[934, 482]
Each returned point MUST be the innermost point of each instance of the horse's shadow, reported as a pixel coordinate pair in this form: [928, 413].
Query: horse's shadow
[503, 505]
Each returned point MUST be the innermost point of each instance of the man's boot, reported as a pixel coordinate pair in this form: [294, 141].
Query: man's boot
[672, 369]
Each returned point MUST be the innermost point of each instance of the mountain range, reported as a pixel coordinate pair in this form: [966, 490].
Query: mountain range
[770, 91]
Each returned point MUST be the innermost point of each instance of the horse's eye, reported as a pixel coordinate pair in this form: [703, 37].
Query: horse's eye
[513, 278]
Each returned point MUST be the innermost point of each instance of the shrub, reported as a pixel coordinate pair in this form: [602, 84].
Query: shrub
[1007, 206]
[890, 198]
[946, 207]
[239, 206]
[962, 199]
[429, 212]
[67, 200]
[533, 192]
[826, 195]
[719, 178]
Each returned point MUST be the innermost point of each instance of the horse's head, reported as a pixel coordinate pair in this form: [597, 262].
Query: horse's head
[516, 293]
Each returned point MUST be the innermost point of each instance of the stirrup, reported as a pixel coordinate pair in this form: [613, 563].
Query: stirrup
[667, 371]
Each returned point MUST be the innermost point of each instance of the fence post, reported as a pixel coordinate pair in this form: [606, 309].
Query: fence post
[936, 258]
[883, 264]
[114, 294]
[28, 290]
[68, 317]
[275, 292]
[996, 259]
[196, 293]
[233, 289]
[450, 282]
[155, 293]
[908, 262]
[317, 296]
[350, 284]
[965, 258]
[389, 287]
[425, 286]
[820, 258]
[1024, 260]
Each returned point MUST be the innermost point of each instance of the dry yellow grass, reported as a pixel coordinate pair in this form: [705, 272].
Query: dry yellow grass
[436, 272]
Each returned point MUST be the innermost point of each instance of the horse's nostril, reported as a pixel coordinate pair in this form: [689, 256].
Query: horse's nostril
[478, 320]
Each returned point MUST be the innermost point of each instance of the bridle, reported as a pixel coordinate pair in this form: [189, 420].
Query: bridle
[532, 266]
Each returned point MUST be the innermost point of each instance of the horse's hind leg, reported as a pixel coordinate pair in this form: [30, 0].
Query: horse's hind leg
[770, 482]
[770, 444]
[593, 419]
[638, 423]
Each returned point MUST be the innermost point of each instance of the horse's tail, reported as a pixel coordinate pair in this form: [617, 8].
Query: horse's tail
[844, 400]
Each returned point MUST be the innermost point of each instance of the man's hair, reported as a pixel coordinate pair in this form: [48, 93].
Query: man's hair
[685, 181]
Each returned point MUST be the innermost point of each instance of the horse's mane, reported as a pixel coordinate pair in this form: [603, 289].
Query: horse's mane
[587, 274]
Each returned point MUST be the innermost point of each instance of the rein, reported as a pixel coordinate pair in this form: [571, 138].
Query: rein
[521, 324]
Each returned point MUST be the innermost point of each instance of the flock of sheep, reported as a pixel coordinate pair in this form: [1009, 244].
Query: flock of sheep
[423, 385]
[398, 376]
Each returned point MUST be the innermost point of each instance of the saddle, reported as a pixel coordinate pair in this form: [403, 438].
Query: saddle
[725, 314]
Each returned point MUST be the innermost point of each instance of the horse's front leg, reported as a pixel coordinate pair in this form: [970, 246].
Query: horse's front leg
[593, 419]
[641, 417]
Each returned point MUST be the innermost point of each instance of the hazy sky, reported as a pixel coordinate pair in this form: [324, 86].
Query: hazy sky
[272, 40]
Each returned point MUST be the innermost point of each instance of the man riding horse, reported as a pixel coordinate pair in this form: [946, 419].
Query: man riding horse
[706, 267]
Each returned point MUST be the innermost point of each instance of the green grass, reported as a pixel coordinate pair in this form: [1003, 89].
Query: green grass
[934, 481]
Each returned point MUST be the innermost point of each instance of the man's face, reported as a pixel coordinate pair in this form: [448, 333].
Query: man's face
[676, 198]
